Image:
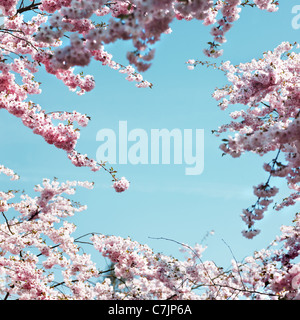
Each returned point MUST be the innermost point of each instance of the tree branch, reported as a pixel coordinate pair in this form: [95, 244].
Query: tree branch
[32, 6]
[8, 226]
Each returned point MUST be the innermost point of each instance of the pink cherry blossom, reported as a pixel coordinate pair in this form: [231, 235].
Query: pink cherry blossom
[39, 252]
[268, 89]
[121, 185]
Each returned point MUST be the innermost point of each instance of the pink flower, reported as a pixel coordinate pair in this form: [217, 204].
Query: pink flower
[3, 206]
[121, 185]
[296, 281]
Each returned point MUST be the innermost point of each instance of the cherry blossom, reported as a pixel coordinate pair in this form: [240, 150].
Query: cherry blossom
[121, 185]
[268, 88]
[39, 253]
[62, 35]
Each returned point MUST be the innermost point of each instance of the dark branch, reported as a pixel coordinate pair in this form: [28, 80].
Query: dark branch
[32, 6]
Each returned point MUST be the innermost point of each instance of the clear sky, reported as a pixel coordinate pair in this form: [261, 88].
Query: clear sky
[162, 201]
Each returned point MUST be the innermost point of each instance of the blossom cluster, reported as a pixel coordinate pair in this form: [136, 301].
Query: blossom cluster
[65, 34]
[121, 185]
[39, 254]
[38, 251]
[33, 222]
[9, 173]
[269, 88]
[142, 22]
[14, 98]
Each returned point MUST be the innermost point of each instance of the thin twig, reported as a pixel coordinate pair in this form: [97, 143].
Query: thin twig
[22, 39]
[8, 226]
[238, 269]
[187, 246]
[30, 7]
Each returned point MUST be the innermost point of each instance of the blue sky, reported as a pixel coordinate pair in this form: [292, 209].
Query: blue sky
[162, 201]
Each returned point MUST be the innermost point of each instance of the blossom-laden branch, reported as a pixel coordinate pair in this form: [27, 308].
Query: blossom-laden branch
[264, 193]
[268, 87]
[36, 39]
[32, 249]
[39, 238]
